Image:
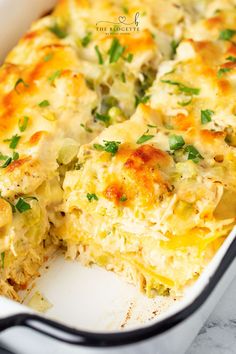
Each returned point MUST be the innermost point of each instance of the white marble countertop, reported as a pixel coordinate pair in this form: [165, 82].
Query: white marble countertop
[218, 336]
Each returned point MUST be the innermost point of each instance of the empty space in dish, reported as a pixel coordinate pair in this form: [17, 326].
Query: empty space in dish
[92, 298]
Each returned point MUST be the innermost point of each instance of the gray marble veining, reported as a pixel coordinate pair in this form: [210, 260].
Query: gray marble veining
[218, 336]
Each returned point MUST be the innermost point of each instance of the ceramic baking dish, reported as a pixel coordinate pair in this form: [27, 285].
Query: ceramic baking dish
[94, 310]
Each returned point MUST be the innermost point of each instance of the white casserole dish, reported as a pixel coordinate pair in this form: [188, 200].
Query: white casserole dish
[94, 310]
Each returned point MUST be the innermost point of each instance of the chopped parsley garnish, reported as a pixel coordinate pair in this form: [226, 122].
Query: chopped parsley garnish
[7, 162]
[123, 198]
[123, 78]
[109, 146]
[129, 58]
[223, 71]
[44, 103]
[103, 117]
[2, 259]
[48, 57]
[174, 45]
[185, 103]
[18, 82]
[99, 55]
[14, 140]
[183, 88]
[60, 32]
[227, 34]
[8, 159]
[176, 142]
[151, 126]
[231, 58]
[193, 153]
[91, 196]
[86, 39]
[144, 138]
[22, 123]
[115, 51]
[54, 76]
[88, 130]
[206, 116]
[143, 99]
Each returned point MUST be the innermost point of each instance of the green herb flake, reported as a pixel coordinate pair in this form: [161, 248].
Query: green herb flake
[176, 142]
[226, 34]
[88, 130]
[91, 196]
[60, 32]
[193, 153]
[185, 103]
[123, 78]
[86, 39]
[7, 162]
[44, 103]
[3, 259]
[222, 71]
[123, 198]
[115, 51]
[183, 88]
[144, 138]
[22, 123]
[206, 116]
[151, 126]
[129, 57]
[143, 99]
[125, 10]
[174, 45]
[103, 117]
[54, 76]
[109, 146]
[14, 140]
[232, 59]
[99, 55]
[48, 57]
[22, 205]
[15, 156]
[18, 82]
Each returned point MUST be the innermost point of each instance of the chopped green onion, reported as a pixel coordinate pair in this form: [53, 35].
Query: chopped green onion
[223, 71]
[206, 116]
[176, 142]
[88, 130]
[151, 126]
[174, 45]
[183, 88]
[7, 162]
[129, 57]
[99, 55]
[144, 138]
[14, 140]
[15, 156]
[231, 58]
[115, 51]
[125, 10]
[185, 103]
[103, 117]
[22, 123]
[193, 153]
[109, 146]
[123, 198]
[22, 206]
[86, 39]
[123, 78]
[60, 32]
[54, 76]
[143, 99]
[18, 82]
[44, 103]
[91, 197]
[226, 34]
